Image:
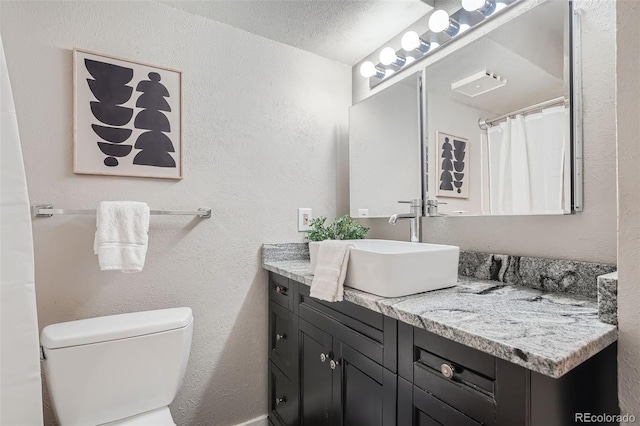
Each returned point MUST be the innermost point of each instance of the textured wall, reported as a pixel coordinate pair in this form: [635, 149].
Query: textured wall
[587, 236]
[264, 127]
[628, 105]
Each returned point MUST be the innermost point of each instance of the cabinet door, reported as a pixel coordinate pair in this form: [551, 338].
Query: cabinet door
[364, 392]
[283, 398]
[316, 376]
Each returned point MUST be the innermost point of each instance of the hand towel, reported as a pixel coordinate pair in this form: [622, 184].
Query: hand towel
[122, 235]
[328, 281]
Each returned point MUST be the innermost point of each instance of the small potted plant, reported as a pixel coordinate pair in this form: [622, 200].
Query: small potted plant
[343, 228]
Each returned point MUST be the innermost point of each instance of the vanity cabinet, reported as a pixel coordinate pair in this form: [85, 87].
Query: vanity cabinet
[343, 364]
[343, 367]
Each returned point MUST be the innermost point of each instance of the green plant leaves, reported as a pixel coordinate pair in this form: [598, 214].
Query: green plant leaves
[344, 228]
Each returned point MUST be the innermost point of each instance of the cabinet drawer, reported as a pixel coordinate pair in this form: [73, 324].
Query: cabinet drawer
[283, 398]
[281, 290]
[430, 411]
[461, 377]
[474, 404]
[283, 338]
[357, 317]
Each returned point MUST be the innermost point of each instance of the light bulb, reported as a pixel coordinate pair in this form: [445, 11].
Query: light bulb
[388, 56]
[410, 41]
[471, 5]
[439, 21]
[368, 69]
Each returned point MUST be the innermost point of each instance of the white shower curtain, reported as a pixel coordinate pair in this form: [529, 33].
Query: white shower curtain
[20, 387]
[528, 166]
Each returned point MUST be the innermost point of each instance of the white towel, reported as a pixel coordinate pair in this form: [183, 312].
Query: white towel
[122, 235]
[328, 281]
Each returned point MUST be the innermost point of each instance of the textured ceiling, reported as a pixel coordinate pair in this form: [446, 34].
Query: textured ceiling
[342, 30]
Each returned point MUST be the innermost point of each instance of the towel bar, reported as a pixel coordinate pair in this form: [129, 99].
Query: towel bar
[47, 210]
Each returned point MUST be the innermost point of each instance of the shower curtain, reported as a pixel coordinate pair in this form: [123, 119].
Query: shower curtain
[20, 387]
[528, 163]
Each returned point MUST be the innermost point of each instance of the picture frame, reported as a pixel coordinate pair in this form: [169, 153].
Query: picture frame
[452, 166]
[127, 117]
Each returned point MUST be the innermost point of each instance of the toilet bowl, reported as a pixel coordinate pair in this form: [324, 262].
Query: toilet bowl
[119, 370]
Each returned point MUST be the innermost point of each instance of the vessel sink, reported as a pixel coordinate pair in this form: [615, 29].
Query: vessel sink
[398, 268]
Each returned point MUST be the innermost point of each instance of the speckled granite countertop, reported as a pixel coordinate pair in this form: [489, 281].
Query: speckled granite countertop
[549, 333]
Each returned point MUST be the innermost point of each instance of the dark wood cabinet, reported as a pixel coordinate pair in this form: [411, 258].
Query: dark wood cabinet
[367, 392]
[316, 377]
[344, 365]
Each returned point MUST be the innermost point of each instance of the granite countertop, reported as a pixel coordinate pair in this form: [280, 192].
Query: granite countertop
[550, 333]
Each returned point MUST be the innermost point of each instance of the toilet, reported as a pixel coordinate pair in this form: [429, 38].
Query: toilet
[120, 370]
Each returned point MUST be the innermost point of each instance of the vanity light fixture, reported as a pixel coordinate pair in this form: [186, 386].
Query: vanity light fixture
[368, 69]
[486, 7]
[416, 47]
[388, 56]
[412, 41]
[439, 22]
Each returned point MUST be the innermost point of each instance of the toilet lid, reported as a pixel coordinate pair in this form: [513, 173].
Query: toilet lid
[114, 327]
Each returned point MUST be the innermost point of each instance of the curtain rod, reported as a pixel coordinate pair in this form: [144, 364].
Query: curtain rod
[47, 210]
[486, 123]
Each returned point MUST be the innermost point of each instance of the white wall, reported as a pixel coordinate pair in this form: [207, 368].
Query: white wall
[264, 127]
[384, 153]
[628, 105]
[448, 116]
[587, 236]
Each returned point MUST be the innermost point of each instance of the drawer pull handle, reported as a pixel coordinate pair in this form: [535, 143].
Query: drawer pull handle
[324, 357]
[281, 400]
[281, 290]
[333, 364]
[447, 371]
[280, 337]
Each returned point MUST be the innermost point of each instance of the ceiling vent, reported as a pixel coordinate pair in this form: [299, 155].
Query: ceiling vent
[478, 83]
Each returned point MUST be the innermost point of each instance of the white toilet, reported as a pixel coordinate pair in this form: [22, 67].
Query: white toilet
[117, 370]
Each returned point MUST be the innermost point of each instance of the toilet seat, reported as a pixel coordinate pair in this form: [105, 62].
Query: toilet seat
[158, 417]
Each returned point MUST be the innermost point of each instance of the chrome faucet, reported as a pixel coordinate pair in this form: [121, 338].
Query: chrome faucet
[415, 216]
[432, 207]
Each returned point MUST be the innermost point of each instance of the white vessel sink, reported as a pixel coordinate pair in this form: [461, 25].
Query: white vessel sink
[398, 268]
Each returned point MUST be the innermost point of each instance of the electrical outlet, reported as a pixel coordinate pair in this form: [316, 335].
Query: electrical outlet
[304, 219]
[363, 212]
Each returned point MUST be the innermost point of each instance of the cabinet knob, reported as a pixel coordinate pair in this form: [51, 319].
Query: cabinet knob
[281, 400]
[324, 357]
[333, 364]
[280, 337]
[447, 370]
[280, 289]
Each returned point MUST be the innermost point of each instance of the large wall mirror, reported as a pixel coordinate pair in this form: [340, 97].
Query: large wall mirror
[384, 149]
[499, 122]
[502, 133]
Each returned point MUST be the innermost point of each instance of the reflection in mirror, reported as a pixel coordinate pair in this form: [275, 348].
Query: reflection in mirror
[384, 150]
[498, 121]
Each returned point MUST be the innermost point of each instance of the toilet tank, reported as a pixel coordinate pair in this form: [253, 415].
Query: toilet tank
[105, 369]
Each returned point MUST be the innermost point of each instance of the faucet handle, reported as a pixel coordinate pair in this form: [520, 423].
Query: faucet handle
[415, 202]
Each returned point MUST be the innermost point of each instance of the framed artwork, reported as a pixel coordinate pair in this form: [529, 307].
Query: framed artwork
[127, 118]
[452, 166]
